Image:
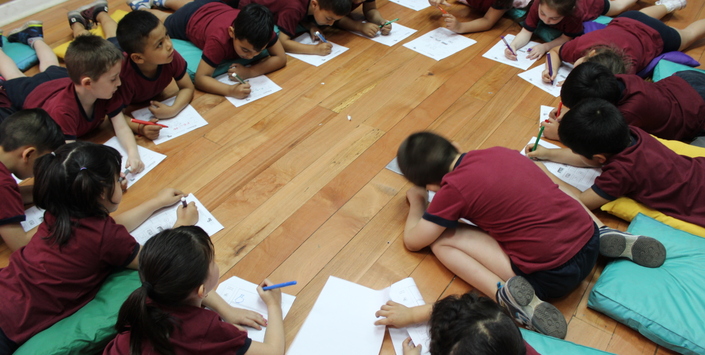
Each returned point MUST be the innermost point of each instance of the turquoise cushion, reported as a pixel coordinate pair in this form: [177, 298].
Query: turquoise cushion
[23, 55]
[666, 68]
[603, 19]
[665, 304]
[546, 345]
[91, 328]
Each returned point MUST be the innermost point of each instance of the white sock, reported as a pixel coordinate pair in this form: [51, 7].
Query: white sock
[30, 41]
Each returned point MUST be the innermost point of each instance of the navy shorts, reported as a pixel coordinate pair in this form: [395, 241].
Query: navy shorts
[561, 280]
[695, 79]
[670, 36]
[606, 8]
[18, 89]
[7, 346]
[176, 23]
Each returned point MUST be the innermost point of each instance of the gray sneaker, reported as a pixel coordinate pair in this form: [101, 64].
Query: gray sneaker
[644, 251]
[518, 298]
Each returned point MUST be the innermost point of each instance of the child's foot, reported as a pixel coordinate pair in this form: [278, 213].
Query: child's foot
[75, 17]
[672, 5]
[644, 251]
[139, 4]
[27, 34]
[90, 12]
[518, 298]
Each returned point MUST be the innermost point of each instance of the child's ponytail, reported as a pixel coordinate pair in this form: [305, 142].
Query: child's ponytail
[172, 264]
[69, 183]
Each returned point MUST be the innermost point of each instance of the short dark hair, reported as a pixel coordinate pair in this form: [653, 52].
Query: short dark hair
[594, 126]
[172, 264]
[134, 29]
[473, 325]
[562, 7]
[339, 7]
[91, 56]
[69, 184]
[612, 57]
[30, 127]
[254, 23]
[425, 157]
[590, 80]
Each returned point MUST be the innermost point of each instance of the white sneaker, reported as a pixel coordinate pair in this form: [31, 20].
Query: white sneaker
[673, 5]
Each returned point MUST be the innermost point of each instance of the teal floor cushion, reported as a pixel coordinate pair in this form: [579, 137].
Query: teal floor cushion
[23, 55]
[546, 345]
[91, 328]
[665, 304]
[666, 68]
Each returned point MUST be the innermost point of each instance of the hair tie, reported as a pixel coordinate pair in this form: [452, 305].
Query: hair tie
[82, 168]
[52, 153]
[147, 286]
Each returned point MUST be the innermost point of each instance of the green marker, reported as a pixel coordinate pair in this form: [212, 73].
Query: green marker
[239, 79]
[388, 22]
[536, 145]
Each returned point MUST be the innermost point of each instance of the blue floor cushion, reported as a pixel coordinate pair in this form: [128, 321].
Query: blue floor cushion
[666, 68]
[664, 304]
[546, 345]
[23, 55]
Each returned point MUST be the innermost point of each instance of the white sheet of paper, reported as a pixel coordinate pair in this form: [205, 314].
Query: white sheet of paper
[394, 166]
[398, 34]
[545, 111]
[150, 159]
[406, 293]
[186, 121]
[534, 76]
[166, 217]
[243, 294]
[496, 53]
[581, 178]
[352, 308]
[314, 59]
[34, 217]
[18, 180]
[440, 43]
[261, 86]
[413, 4]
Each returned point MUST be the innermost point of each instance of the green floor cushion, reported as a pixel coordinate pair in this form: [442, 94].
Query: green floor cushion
[91, 328]
[546, 345]
[22, 54]
[666, 68]
[665, 304]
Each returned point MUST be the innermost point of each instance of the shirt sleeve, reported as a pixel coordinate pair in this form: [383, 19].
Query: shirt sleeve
[66, 119]
[179, 66]
[11, 208]
[569, 51]
[288, 20]
[224, 338]
[446, 208]
[118, 247]
[213, 52]
[532, 17]
[274, 40]
[614, 181]
[571, 26]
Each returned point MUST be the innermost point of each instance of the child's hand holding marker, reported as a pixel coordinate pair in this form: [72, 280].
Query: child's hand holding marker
[186, 213]
[510, 53]
[240, 91]
[323, 47]
[386, 27]
[148, 129]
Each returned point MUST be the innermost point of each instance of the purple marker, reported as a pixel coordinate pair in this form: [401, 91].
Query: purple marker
[507, 44]
[550, 66]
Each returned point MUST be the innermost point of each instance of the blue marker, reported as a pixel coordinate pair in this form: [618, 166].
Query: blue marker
[320, 36]
[290, 283]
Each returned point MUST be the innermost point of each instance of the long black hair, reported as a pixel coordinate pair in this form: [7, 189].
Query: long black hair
[172, 264]
[70, 182]
[470, 324]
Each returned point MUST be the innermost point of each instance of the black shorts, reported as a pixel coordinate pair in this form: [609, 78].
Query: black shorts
[18, 89]
[695, 79]
[606, 8]
[7, 346]
[561, 280]
[670, 36]
[115, 43]
[176, 23]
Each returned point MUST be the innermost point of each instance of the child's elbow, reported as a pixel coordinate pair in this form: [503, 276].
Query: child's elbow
[410, 245]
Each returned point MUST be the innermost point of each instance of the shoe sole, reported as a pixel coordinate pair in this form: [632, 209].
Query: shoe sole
[644, 251]
[545, 318]
[26, 25]
[90, 6]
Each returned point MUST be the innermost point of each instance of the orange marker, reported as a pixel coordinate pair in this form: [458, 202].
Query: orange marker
[558, 112]
[148, 123]
[443, 11]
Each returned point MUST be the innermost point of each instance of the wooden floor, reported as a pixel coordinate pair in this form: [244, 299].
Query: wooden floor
[303, 191]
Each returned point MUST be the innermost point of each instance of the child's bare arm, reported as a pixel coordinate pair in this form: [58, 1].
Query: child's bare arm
[132, 218]
[563, 155]
[291, 46]
[481, 24]
[418, 232]
[591, 199]
[127, 140]
[275, 61]
[206, 82]
[274, 341]
[183, 98]
[399, 316]
[368, 29]
[236, 316]
[14, 236]
[539, 50]
[135, 263]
